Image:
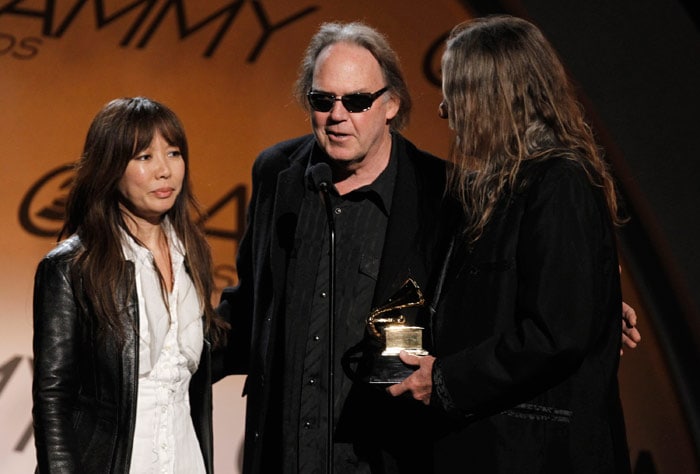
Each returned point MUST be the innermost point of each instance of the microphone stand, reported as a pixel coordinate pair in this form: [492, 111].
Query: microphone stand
[325, 194]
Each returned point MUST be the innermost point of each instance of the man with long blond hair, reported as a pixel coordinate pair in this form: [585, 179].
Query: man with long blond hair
[526, 331]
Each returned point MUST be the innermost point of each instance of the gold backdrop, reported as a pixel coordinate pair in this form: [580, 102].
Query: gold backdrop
[226, 68]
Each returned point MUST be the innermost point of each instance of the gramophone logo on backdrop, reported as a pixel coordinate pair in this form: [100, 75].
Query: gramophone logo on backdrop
[42, 208]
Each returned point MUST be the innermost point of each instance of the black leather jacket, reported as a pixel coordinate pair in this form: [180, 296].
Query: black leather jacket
[84, 391]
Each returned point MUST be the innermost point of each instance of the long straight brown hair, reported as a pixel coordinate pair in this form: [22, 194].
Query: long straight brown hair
[121, 129]
[509, 100]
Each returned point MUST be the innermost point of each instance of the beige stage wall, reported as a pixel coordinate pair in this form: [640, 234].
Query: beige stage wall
[226, 68]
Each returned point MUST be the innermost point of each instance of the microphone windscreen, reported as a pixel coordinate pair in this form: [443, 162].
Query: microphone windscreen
[320, 176]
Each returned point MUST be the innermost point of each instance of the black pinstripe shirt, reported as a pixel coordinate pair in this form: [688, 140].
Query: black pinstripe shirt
[361, 218]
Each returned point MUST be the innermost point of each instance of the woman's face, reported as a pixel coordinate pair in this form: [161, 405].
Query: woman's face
[152, 180]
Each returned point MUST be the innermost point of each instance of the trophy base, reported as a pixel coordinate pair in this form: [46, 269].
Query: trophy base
[389, 369]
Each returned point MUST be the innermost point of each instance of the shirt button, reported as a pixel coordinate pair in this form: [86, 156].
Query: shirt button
[307, 424]
[337, 210]
[317, 338]
[312, 381]
[323, 294]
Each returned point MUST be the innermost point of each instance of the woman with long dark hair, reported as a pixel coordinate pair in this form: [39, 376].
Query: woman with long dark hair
[123, 321]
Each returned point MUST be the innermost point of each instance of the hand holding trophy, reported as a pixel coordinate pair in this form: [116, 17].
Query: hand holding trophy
[387, 326]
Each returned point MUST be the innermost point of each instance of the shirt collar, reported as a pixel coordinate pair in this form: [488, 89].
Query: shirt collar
[139, 254]
[381, 190]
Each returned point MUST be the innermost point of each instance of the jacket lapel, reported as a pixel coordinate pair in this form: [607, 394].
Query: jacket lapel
[402, 228]
[288, 198]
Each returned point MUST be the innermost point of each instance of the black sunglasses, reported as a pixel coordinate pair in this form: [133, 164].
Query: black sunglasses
[358, 102]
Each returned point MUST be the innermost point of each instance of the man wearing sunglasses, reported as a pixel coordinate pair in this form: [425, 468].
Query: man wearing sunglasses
[386, 196]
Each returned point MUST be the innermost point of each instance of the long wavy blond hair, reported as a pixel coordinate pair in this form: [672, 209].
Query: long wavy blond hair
[508, 100]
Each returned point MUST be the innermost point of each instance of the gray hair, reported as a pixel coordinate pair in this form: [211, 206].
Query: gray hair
[373, 41]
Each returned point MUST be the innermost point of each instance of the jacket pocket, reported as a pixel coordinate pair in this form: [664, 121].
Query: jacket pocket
[96, 434]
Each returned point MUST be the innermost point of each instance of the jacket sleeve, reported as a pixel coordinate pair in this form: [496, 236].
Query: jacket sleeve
[236, 308]
[562, 309]
[55, 383]
[236, 304]
[249, 305]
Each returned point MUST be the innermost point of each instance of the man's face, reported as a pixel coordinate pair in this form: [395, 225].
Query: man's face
[352, 139]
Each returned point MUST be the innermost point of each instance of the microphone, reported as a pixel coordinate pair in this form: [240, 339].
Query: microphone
[321, 178]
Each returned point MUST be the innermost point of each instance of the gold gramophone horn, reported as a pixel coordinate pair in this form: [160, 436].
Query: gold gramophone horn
[408, 296]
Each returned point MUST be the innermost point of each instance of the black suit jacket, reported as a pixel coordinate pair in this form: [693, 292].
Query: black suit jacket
[527, 334]
[256, 305]
[84, 392]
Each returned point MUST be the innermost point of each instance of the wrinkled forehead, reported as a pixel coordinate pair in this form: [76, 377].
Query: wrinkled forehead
[346, 67]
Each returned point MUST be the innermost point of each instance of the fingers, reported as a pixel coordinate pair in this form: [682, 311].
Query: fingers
[408, 358]
[629, 315]
[631, 337]
[397, 389]
[404, 386]
[630, 334]
[628, 342]
[419, 383]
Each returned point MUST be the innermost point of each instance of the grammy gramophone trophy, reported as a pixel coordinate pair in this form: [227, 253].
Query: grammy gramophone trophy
[387, 327]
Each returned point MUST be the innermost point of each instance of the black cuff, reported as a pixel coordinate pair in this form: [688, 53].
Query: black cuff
[440, 396]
